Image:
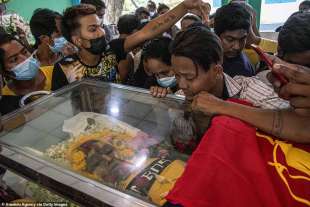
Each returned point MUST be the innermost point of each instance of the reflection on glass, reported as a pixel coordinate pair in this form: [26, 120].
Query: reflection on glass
[118, 137]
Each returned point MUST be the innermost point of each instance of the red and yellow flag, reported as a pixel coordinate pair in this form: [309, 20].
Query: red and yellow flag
[236, 166]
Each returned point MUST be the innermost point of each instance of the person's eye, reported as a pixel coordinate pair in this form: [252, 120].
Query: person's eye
[13, 60]
[243, 39]
[92, 29]
[190, 77]
[164, 73]
[228, 39]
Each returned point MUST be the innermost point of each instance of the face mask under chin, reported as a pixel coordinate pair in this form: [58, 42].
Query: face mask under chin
[167, 82]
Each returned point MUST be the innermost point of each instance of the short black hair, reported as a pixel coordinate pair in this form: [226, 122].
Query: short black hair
[43, 22]
[141, 10]
[99, 4]
[157, 49]
[200, 45]
[305, 4]
[4, 39]
[162, 7]
[70, 21]
[231, 17]
[152, 4]
[192, 17]
[294, 35]
[127, 24]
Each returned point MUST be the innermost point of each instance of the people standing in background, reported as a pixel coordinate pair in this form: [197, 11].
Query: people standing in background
[51, 46]
[203, 13]
[304, 6]
[151, 7]
[143, 14]
[155, 71]
[162, 9]
[188, 20]
[232, 24]
[172, 32]
[127, 25]
[98, 59]
[100, 8]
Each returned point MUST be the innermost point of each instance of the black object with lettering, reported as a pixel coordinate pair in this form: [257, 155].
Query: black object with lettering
[142, 183]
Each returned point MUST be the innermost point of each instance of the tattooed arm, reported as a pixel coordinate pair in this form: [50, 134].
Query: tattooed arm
[160, 24]
[285, 124]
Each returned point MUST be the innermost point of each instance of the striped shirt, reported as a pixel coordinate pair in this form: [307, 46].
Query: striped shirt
[253, 90]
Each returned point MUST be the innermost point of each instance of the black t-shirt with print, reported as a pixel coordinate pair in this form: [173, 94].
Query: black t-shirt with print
[71, 68]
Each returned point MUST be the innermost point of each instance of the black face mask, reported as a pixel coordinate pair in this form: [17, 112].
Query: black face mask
[98, 45]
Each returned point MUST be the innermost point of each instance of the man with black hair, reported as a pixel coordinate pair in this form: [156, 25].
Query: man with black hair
[232, 24]
[304, 6]
[188, 20]
[234, 153]
[100, 8]
[127, 24]
[142, 14]
[162, 9]
[151, 7]
[294, 41]
[45, 28]
[98, 59]
[282, 121]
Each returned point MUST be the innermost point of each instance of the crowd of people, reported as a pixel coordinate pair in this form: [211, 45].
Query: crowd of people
[209, 61]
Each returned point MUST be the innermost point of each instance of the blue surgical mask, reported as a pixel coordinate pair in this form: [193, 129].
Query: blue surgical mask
[26, 70]
[167, 82]
[59, 44]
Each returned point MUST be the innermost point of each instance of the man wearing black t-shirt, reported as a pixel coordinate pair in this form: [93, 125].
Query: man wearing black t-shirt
[98, 59]
[232, 24]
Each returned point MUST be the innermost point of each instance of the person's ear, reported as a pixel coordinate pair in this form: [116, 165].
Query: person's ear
[44, 39]
[217, 70]
[77, 41]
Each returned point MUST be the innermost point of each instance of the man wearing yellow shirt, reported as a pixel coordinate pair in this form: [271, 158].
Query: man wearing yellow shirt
[267, 45]
[21, 69]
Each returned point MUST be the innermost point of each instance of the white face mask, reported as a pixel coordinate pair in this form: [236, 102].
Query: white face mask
[152, 13]
[26, 70]
[144, 20]
[59, 44]
[167, 82]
